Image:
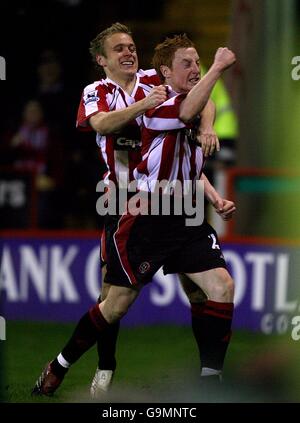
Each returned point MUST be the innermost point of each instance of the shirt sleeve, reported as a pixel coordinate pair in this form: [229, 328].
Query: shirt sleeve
[93, 101]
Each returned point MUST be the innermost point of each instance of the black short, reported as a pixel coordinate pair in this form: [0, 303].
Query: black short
[109, 228]
[143, 244]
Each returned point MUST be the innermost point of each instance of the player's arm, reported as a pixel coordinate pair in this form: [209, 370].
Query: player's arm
[197, 98]
[225, 208]
[207, 136]
[109, 122]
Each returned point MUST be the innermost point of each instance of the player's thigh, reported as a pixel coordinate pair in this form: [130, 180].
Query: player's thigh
[194, 293]
[216, 283]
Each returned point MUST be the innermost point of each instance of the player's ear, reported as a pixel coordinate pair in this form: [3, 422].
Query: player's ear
[165, 71]
[100, 60]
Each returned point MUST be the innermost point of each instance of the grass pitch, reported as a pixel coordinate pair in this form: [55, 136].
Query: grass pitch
[155, 364]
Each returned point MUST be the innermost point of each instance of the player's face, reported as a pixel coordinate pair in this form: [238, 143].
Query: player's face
[185, 71]
[121, 60]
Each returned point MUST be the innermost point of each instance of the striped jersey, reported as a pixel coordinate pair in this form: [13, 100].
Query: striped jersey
[120, 151]
[169, 148]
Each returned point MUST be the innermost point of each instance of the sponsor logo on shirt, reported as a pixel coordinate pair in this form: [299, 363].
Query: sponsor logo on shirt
[123, 143]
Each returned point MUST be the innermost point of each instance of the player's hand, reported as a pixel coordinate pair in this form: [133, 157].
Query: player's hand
[208, 140]
[156, 96]
[225, 208]
[224, 58]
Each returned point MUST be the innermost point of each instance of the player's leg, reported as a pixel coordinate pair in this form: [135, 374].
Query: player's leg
[195, 294]
[202, 261]
[212, 320]
[85, 335]
[106, 347]
[108, 338]
[106, 342]
[197, 299]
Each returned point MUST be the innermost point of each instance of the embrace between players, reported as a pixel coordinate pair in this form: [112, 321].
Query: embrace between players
[162, 107]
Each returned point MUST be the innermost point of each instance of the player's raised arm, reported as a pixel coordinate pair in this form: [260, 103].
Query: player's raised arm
[199, 94]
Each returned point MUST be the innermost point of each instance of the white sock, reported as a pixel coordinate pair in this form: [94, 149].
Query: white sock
[62, 361]
[206, 371]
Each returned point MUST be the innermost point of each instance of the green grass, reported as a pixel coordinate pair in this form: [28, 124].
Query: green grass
[155, 364]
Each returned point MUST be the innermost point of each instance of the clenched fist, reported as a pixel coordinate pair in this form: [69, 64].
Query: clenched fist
[224, 58]
[156, 96]
[225, 208]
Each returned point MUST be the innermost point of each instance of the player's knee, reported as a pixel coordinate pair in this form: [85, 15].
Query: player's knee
[122, 304]
[222, 289]
[118, 313]
[197, 296]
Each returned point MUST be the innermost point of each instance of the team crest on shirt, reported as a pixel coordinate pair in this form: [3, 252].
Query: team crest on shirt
[144, 267]
[89, 97]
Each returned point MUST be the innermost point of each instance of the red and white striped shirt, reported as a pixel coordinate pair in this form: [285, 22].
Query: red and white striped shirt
[168, 151]
[121, 151]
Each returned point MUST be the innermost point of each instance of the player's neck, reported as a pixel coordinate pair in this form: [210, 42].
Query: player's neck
[127, 84]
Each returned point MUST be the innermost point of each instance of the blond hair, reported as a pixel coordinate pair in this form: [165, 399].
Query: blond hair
[97, 44]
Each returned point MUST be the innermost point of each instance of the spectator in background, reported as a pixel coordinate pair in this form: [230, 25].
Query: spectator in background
[35, 147]
[51, 90]
[81, 168]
